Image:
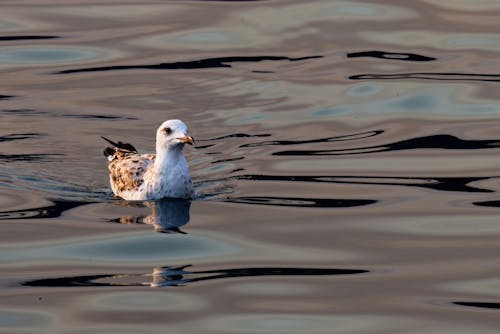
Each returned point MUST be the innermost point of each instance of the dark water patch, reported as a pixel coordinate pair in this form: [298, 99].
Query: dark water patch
[479, 304]
[69, 281]
[228, 160]
[22, 112]
[390, 55]
[263, 72]
[26, 157]
[213, 189]
[26, 37]
[100, 117]
[430, 76]
[203, 146]
[54, 210]
[5, 97]
[302, 202]
[356, 136]
[437, 183]
[446, 142]
[238, 135]
[179, 276]
[188, 65]
[18, 136]
[491, 204]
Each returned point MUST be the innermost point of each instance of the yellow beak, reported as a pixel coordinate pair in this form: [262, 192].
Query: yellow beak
[187, 140]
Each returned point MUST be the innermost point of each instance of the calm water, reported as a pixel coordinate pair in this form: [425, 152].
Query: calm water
[347, 159]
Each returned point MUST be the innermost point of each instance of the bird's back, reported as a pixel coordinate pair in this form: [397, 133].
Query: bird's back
[126, 173]
[126, 169]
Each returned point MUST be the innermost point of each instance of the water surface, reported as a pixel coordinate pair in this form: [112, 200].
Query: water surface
[346, 158]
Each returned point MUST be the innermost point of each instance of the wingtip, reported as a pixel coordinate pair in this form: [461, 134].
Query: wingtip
[121, 145]
[109, 141]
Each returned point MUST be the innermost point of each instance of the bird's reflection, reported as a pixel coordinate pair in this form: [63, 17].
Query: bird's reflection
[170, 276]
[167, 215]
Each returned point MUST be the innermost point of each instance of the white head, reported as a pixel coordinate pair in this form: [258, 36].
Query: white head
[172, 134]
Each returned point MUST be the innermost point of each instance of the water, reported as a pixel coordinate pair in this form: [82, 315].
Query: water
[346, 157]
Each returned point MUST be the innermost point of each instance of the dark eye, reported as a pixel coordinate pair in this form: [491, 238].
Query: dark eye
[168, 131]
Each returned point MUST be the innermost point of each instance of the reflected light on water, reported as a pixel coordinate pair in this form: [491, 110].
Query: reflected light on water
[44, 55]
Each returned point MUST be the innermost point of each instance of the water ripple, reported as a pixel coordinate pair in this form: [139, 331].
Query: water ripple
[447, 142]
[228, 160]
[26, 37]
[390, 55]
[491, 204]
[361, 135]
[195, 64]
[436, 183]
[302, 202]
[18, 136]
[26, 157]
[178, 276]
[24, 112]
[50, 211]
[100, 117]
[238, 135]
[430, 76]
[479, 305]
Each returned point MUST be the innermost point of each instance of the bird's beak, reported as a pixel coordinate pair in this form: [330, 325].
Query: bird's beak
[187, 140]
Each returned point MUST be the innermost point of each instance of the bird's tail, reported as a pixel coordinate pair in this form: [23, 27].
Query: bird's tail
[109, 152]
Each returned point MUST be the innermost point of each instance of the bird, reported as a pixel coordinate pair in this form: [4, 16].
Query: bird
[135, 177]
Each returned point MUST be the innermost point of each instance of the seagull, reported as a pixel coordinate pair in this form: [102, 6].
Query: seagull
[136, 177]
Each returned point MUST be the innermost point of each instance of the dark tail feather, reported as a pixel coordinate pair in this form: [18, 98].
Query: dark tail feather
[109, 151]
[120, 145]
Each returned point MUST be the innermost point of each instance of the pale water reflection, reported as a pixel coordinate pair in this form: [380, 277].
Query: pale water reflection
[141, 248]
[347, 161]
[44, 55]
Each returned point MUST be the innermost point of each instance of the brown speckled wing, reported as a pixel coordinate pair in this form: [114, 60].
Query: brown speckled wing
[127, 170]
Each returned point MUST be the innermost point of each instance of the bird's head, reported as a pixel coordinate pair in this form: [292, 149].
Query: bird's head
[172, 133]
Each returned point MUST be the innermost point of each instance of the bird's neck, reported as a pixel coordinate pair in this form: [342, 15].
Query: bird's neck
[166, 159]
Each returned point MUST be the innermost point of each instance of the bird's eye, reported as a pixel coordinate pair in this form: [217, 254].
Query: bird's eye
[168, 131]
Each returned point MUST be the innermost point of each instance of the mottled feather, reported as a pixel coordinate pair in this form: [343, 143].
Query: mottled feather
[126, 170]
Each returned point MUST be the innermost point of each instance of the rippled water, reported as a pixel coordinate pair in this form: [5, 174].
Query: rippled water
[346, 156]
